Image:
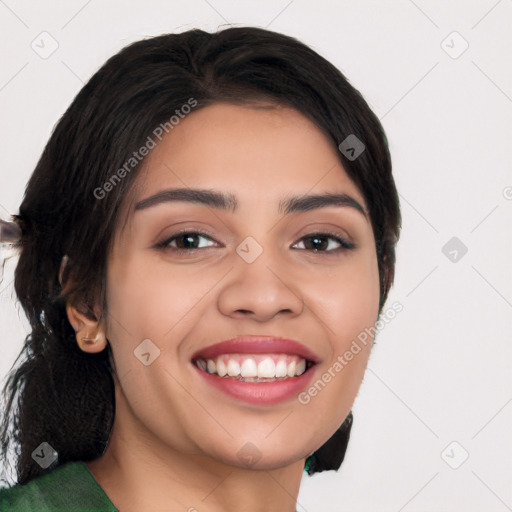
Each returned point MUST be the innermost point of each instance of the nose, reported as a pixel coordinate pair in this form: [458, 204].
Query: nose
[260, 290]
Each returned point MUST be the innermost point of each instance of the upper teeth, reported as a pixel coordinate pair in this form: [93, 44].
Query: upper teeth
[252, 366]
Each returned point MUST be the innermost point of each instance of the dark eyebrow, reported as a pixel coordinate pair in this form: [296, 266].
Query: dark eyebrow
[228, 202]
[313, 202]
[219, 200]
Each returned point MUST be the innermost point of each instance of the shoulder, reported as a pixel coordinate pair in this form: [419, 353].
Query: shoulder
[67, 488]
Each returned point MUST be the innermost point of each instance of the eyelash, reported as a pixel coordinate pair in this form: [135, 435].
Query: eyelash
[344, 244]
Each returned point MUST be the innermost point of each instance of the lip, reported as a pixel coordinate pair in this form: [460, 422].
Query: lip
[258, 393]
[257, 345]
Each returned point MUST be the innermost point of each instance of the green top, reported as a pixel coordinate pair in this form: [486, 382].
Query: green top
[67, 488]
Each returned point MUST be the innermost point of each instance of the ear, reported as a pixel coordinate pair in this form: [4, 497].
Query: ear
[90, 332]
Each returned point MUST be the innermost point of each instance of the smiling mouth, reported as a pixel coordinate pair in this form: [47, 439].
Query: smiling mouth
[255, 367]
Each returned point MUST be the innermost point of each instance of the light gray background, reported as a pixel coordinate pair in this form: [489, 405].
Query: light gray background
[440, 371]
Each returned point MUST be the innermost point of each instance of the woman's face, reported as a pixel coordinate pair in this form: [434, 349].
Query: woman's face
[190, 271]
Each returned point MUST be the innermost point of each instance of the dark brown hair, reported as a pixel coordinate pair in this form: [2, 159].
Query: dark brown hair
[61, 395]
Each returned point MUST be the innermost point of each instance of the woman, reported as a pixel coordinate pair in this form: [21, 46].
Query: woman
[206, 238]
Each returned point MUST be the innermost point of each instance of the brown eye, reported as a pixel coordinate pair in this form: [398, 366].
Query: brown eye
[324, 242]
[186, 241]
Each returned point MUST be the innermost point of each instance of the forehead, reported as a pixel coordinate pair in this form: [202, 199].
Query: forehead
[256, 146]
[259, 153]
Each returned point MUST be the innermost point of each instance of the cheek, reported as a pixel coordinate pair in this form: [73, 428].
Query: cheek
[151, 300]
[347, 302]
[145, 299]
[133, 298]
[347, 298]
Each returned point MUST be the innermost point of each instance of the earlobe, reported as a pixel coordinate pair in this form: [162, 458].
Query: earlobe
[90, 333]
[92, 345]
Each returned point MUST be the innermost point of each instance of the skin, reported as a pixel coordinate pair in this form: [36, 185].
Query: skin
[175, 439]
